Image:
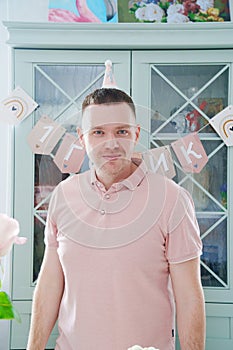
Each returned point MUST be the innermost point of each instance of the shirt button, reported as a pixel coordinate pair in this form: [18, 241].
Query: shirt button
[107, 196]
[102, 212]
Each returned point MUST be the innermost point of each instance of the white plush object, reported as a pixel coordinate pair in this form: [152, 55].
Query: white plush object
[9, 230]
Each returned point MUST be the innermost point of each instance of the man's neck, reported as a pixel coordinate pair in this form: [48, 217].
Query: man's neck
[109, 179]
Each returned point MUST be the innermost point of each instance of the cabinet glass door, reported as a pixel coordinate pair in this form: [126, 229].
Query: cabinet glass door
[187, 110]
[58, 82]
[182, 97]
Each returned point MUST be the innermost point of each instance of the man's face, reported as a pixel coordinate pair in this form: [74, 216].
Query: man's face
[109, 134]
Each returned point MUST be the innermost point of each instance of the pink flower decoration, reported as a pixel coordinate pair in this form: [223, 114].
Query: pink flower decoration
[9, 230]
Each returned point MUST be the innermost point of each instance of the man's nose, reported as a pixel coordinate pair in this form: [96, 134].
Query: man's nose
[111, 142]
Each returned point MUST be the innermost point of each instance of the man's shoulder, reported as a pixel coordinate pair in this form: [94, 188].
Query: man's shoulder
[72, 182]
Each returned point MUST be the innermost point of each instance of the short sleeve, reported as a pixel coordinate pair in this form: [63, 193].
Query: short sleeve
[183, 241]
[50, 232]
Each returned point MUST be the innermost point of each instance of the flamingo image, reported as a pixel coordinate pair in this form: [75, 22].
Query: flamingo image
[85, 14]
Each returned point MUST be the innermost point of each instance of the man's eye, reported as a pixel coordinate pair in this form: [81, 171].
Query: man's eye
[98, 132]
[123, 132]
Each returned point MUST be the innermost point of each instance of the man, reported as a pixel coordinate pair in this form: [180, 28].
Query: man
[122, 247]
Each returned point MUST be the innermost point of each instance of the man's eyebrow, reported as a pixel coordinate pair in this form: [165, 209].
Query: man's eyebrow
[96, 127]
[120, 126]
[125, 126]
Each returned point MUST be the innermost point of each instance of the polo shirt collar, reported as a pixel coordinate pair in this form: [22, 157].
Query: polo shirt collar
[130, 182]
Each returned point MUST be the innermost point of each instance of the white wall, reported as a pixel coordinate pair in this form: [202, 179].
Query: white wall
[28, 10]
[5, 159]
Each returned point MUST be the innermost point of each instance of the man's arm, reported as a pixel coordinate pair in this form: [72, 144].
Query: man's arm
[46, 300]
[190, 305]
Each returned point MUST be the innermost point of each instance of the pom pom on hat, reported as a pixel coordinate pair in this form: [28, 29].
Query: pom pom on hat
[109, 80]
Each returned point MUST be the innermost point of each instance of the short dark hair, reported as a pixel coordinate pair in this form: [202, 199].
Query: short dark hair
[108, 96]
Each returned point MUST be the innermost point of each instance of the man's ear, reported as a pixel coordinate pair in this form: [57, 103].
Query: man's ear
[80, 136]
[137, 132]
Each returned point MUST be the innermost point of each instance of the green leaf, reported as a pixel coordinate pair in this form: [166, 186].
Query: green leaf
[197, 17]
[134, 8]
[164, 5]
[7, 310]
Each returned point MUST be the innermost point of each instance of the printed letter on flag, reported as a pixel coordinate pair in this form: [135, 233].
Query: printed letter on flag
[70, 155]
[16, 107]
[223, 124]
[45, 135]
[191, 153]
[159, 160]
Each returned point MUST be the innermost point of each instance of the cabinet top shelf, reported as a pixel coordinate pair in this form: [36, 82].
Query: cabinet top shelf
[120, 35]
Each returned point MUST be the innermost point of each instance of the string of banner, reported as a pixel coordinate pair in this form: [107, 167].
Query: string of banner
[69, 157]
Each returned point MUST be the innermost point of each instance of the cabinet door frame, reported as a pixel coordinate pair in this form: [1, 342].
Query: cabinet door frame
[141, 85]
[25, 60]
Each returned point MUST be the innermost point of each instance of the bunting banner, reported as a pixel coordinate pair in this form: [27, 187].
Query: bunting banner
[223, 125]
[45, 135]
[190, 153]
[16, 107]
[70, 155]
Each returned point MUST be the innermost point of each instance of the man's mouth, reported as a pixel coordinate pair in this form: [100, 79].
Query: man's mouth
[111, 156]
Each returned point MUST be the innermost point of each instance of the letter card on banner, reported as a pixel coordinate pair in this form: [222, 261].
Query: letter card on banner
[223, 124]
[70, 155]
[45, 135]
[16, 107]
[159, 160]
[191, 153]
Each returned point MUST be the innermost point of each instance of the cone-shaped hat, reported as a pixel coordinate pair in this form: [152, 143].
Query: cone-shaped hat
[109, 80]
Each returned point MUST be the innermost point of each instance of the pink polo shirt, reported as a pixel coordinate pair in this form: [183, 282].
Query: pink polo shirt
[115, 247]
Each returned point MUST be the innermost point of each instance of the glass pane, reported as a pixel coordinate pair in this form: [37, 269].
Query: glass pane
[59, 90]
[38, 247]
[182, 75]
[215, 254]
[208, 280]
[73, 78]
[50, 99]
[217, 164]
[192, 94]
[209, 191]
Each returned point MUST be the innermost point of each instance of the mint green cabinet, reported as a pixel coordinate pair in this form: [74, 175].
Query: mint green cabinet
[168, 77]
